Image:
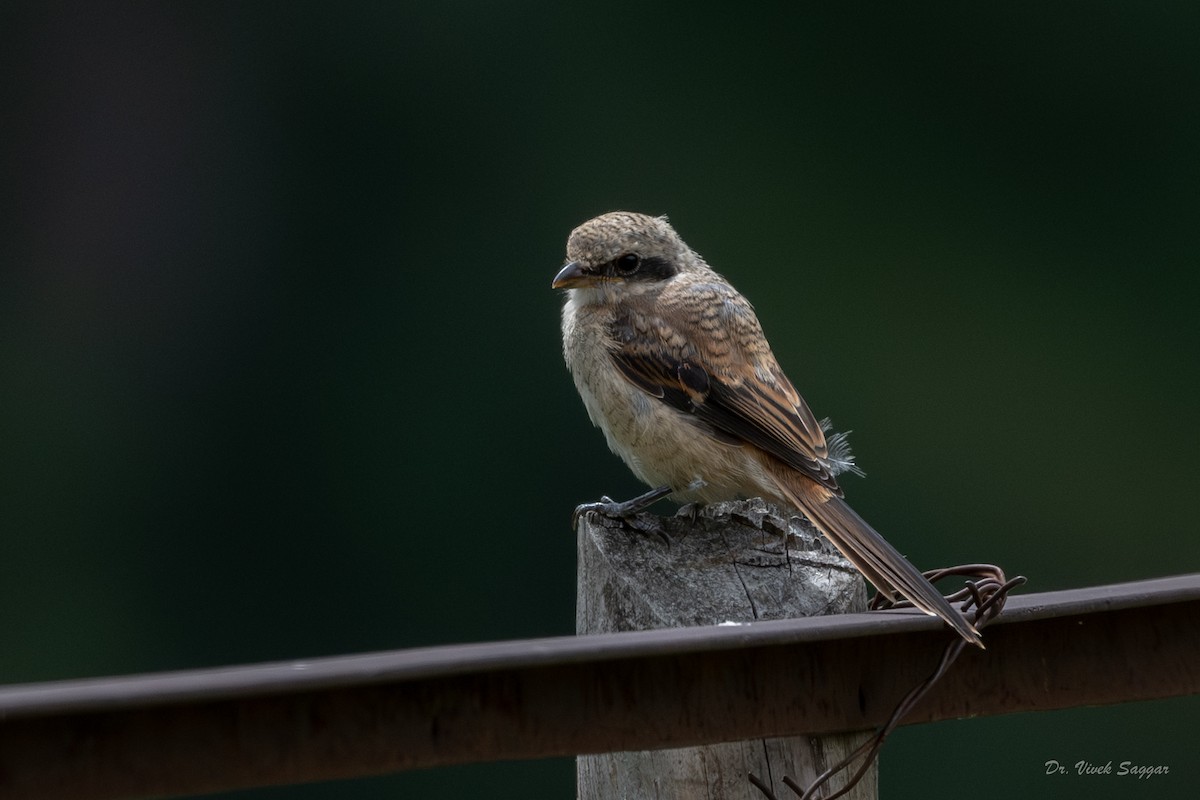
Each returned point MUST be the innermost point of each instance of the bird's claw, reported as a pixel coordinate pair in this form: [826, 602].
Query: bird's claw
[623, 510]
[690, 511]
[605, 507]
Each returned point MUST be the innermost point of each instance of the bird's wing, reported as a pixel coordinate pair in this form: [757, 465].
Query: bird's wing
[704, 353]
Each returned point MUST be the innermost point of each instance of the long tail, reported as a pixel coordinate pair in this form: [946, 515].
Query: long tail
[881, 563]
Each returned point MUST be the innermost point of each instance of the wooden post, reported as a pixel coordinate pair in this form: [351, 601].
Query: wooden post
[728, 564]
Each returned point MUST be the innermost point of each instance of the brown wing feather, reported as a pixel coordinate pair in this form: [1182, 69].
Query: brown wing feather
[708, 357]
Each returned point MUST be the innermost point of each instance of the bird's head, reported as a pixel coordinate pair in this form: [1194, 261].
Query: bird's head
[622, 250]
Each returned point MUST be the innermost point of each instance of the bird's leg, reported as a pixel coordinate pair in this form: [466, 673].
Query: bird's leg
[629, 508]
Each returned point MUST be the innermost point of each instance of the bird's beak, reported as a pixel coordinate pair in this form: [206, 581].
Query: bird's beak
[572, 276]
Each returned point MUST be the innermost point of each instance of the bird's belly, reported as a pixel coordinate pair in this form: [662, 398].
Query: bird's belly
[664, 447]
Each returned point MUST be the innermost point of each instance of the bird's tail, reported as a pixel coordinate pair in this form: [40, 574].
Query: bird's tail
[881, 563]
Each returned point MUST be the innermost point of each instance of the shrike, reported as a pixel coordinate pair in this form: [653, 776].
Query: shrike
[673, 367]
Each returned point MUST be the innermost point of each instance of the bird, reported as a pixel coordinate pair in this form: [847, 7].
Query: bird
[673, 366]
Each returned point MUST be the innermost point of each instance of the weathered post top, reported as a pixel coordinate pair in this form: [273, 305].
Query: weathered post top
[732, 562]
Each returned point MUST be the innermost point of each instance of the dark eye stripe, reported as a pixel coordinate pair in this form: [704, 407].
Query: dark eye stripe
[654, 268]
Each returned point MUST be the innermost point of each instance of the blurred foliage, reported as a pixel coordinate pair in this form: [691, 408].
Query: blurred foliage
[275, 316]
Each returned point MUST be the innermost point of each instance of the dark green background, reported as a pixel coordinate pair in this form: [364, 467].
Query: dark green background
[276, 326]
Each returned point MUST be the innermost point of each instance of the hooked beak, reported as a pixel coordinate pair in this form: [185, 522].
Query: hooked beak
[572, 276]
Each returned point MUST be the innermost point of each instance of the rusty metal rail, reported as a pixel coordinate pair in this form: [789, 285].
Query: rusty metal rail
[209, 730]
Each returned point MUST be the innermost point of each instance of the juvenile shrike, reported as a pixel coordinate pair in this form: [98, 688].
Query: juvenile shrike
[673, 366]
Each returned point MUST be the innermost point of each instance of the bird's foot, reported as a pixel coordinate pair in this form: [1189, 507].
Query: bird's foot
[690, 511]
[610, 508]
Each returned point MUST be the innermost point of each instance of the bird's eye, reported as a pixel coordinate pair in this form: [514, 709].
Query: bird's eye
[628, 264]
